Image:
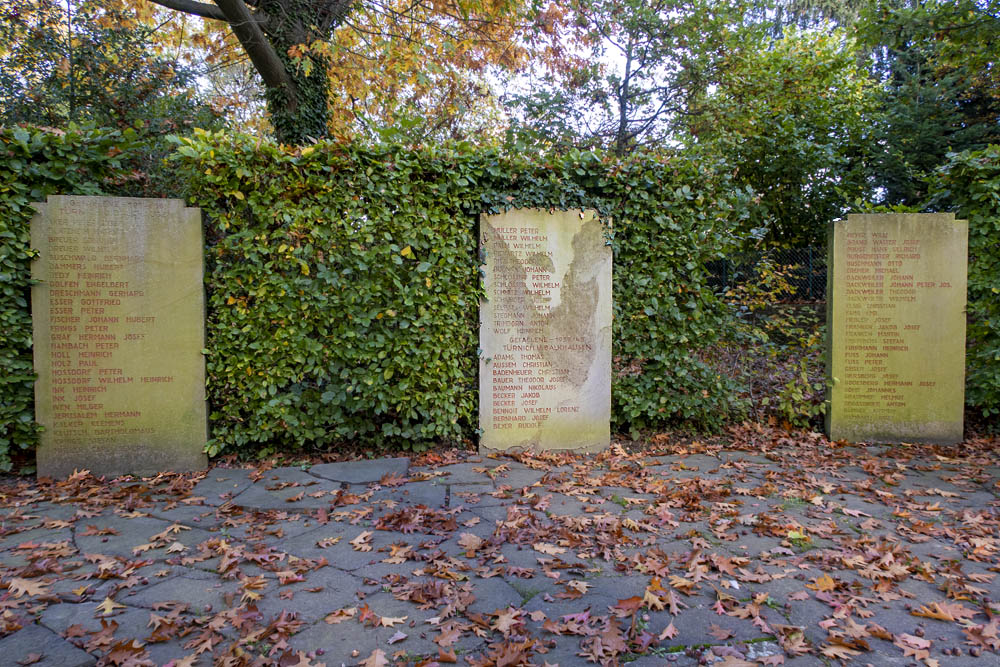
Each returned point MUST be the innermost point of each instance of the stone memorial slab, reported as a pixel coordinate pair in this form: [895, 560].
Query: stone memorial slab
[118, 317]
[896, 328]
[545, 332]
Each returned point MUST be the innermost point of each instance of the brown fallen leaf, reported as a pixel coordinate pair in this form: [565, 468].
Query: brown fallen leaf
[390, 621]
[341, 615]
[945, 611]
[669, 632]
[839, 652]
[719, 632]
[327, 542]
[548, 549]
[363, 541]
[823, 584]
[20, 587]
[470, 543]
[376, 659]
[31, 659]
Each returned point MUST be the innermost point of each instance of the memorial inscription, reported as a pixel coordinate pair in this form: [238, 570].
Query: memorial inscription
[896, 327]
[545, 332]
[118, 325]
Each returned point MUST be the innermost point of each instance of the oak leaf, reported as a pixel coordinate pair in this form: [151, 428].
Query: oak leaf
[20, 587]
[669, 632]
[108, 606]
[390, 621]
[363, 541]
[548, 549]
[377, 658]
[341, 615]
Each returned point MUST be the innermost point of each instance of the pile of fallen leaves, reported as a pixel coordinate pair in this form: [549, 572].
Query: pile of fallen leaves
[810, 504]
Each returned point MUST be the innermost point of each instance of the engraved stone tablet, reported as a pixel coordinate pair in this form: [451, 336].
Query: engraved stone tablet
[545, 332]
[118, 332]
[896, 328]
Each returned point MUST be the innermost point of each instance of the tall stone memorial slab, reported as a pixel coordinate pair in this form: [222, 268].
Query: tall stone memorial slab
[545, 332]
[896, 327]
[118, 331]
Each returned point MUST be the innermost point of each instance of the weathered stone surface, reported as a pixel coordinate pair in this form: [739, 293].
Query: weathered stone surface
[51, 649]
[545, 332]
[896, 323]
[361, 472]
[118, 329]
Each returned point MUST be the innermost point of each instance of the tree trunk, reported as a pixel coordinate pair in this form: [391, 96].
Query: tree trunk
[296, 101]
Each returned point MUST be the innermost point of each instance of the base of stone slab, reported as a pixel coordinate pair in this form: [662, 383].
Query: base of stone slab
[938, 433]
[538, 449]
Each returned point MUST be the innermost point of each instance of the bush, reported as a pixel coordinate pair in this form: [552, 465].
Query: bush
[969, 185]
[343, 284]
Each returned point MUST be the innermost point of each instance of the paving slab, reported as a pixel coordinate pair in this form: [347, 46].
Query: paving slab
[221, 484]
[362, 472]
[51, 649]
[276, 520]
[272, 495]
[471, 472]
[430, 494]
[132, 533]
[342, 644]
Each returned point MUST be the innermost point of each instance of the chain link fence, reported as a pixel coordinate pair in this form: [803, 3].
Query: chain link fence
[805, 270]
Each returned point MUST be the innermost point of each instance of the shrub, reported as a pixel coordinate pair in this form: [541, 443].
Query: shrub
[343, 284]
[969, 185]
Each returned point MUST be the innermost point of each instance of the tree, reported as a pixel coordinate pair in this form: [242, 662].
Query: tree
[375, 62]
[795, 117]
[90, 62]
[644, 63]
[938, 64]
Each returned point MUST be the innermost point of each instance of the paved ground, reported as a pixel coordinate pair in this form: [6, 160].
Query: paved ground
[763, 549]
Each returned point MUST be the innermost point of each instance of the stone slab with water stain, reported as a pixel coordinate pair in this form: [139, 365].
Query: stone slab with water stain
[896, 328]
[545, 331]
[118, 316]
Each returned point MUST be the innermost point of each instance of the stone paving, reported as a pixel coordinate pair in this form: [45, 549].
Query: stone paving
[751, 558]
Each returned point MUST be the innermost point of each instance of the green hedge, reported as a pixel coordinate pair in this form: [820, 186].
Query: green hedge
[33, 165]
[343, 284]
[969, 184]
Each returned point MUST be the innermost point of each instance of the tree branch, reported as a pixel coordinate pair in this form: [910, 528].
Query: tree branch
[262, 54]
[202, 9]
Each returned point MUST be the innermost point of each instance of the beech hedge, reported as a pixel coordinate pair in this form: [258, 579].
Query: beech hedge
[969, 185]
[344, 281]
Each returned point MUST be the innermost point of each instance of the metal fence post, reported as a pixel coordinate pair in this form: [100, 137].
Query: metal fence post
[811, 295]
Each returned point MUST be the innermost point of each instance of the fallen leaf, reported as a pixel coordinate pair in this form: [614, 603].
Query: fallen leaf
[108, 606]
[377, 658]
[719, 632]
[389, 621]
[824, 584]
[341, 615]
[20, 587]
[363, 542]
[548, 549]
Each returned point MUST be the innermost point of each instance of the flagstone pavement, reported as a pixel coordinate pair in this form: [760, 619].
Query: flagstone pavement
[791, 552]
